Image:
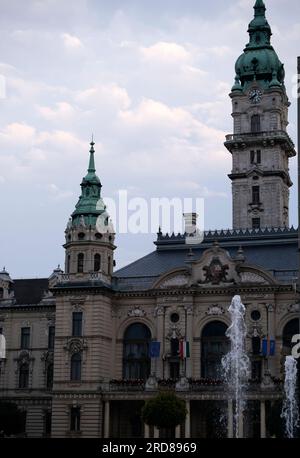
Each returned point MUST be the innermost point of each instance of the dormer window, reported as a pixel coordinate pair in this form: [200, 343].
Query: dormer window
[81, 236]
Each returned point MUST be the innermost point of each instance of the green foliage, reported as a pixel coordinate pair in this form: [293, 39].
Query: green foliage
[11, 419]
[164, 411]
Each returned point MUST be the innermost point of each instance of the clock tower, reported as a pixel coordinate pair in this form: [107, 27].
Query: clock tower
[260, 145]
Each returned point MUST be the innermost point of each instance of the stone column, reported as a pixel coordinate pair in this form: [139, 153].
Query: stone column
[156, 433]
[177, 432]
[189, 337]
[262, 419]
[230, 419]
[158, 364]
[272, 334]
[187, 434]
[106, 419]
[146, 431]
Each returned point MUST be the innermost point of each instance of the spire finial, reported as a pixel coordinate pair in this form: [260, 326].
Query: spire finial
[259, 8]
[92, 168]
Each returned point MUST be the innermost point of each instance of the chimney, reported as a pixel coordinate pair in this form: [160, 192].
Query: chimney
[190, 222]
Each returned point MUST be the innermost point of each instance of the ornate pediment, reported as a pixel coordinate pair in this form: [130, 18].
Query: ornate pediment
[215, 267]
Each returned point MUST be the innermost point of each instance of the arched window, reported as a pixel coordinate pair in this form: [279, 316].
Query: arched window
[97, 262]
[290, 329]
[80, 263]
[136, 361]
[109, 265]
[214, 345]
[255, 123]
[24, 376]
[76, 367]
[49, 376]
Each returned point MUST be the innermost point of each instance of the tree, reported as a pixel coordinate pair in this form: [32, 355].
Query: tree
[11, 419]
[164, 411]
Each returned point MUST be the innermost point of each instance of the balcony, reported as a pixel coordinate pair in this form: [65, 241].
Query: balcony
[204, 385]
[80, 278]
[268, 137]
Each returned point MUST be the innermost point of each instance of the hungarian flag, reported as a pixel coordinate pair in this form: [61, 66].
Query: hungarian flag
[268, 347]
[184, 349]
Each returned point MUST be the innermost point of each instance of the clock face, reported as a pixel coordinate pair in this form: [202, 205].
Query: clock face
[255, 96]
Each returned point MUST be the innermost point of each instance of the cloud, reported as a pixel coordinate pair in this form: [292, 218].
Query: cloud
[102, 95]
[18, 134]
[71, 42]
[63, 112]
[57, 193]
[166, 53]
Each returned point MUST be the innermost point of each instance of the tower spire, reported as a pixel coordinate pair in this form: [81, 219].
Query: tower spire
[92, 168]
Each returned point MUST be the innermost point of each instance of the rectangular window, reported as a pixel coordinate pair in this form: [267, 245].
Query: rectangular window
[255, 157]
[255, 195]
[25, 338]
[256, 370]
[47, 423]
[258, 156]
[77, 324]
[51, 336]
[1, 331]
[75, 419]
[174, 370]
[256, 223]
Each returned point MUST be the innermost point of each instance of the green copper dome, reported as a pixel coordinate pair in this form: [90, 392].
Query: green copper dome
[259, 61]
[90, 204]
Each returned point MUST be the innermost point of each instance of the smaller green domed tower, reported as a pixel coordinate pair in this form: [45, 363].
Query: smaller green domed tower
[260, 145]
[89, 234]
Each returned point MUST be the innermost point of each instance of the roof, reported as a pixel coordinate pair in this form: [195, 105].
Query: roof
[30, 291]
[274, 250]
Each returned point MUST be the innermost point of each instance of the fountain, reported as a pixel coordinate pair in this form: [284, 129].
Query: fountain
[236, 365]
[290, 410]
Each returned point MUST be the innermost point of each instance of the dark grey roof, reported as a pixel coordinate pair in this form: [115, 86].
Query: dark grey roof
[273, 250]
[30, 291]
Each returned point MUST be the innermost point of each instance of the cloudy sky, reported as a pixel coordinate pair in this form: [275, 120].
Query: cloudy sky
[150, 79]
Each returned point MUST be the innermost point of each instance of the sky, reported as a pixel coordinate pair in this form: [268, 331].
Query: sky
[150, 80]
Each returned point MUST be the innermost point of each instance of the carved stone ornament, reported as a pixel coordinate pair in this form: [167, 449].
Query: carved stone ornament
[47, 356]
[137, 312]
[215, 310]
[159, 310]
[174, 333]
[216, 273]
[252, 277]
[24, 357]
[178, 280]
[294, 308]
[74, 346]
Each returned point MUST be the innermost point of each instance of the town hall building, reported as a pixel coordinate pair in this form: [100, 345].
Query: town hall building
[77, 343]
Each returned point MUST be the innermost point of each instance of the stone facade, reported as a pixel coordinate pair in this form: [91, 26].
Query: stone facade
[77, 344]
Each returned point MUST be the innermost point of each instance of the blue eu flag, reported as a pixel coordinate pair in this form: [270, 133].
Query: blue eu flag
[154, 349]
